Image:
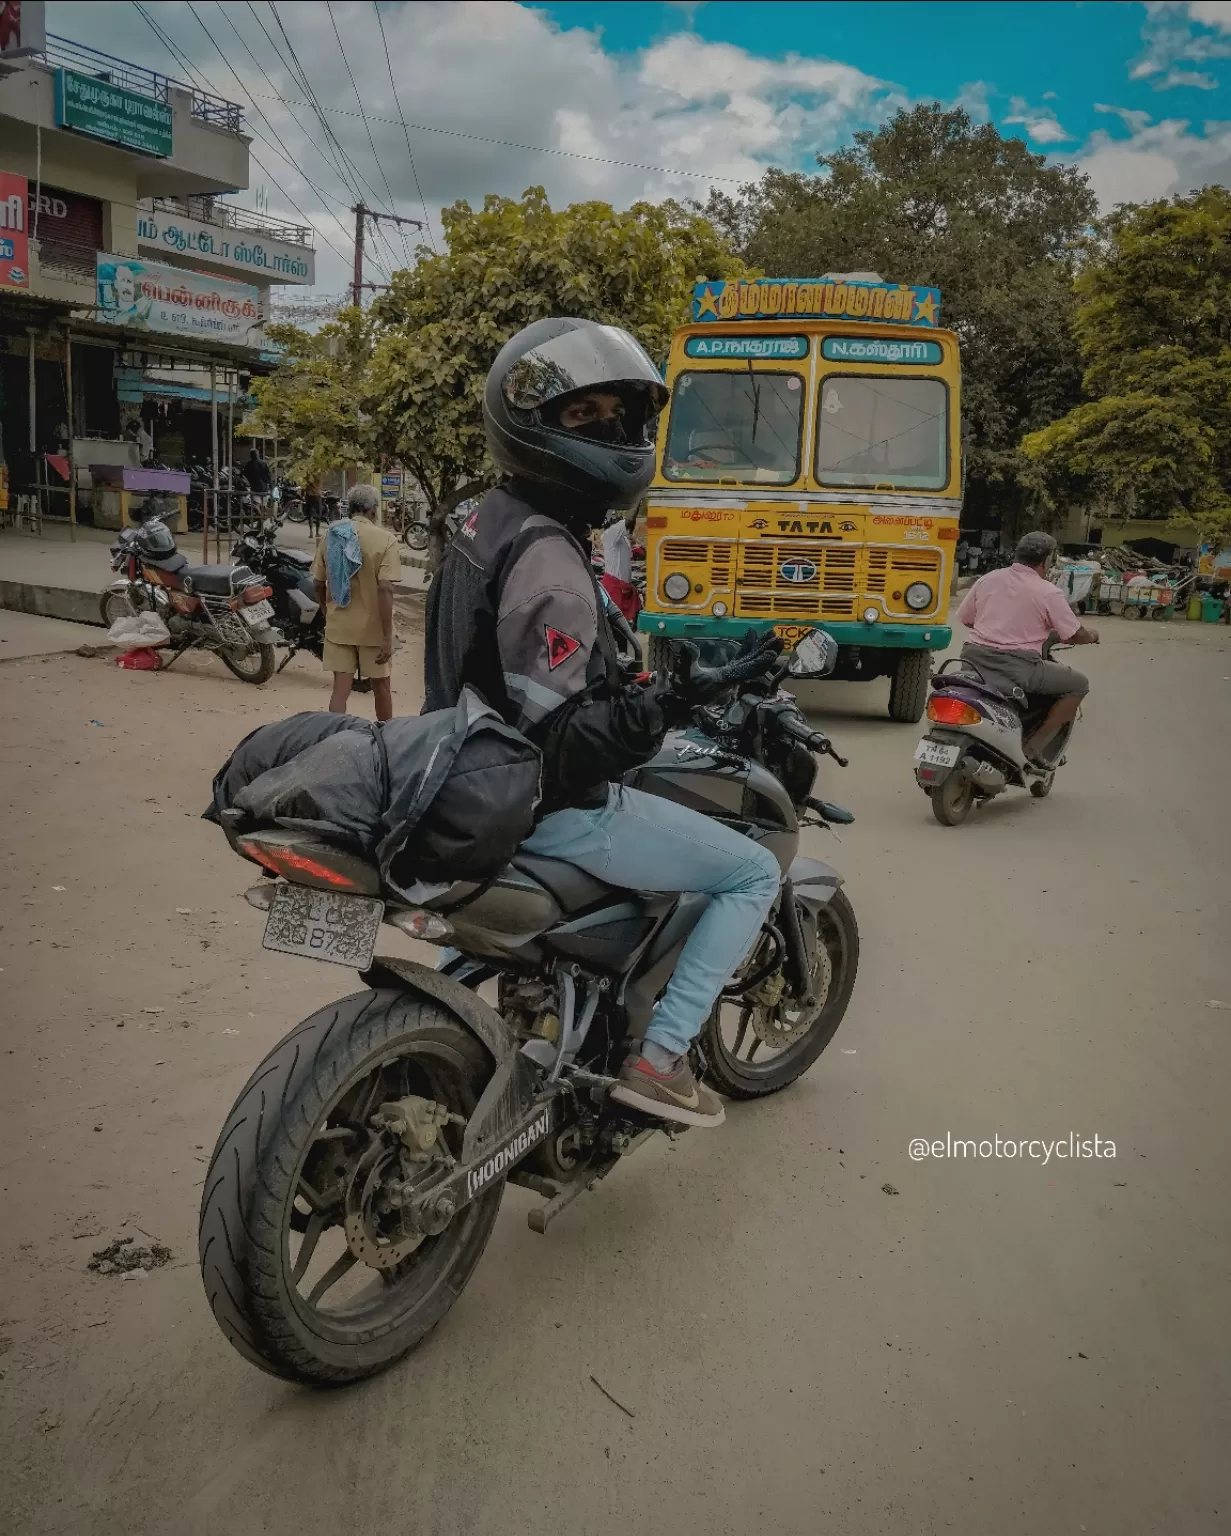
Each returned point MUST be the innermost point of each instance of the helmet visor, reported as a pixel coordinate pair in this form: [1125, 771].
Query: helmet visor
[597, 357]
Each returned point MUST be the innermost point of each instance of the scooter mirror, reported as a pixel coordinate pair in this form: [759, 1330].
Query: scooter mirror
[815, 655]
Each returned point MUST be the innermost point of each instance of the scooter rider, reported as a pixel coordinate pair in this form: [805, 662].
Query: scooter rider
[1011, 613]
[569, 408]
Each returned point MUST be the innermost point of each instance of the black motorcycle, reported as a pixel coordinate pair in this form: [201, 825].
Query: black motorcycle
[357, 1179]
[218, 608]
[288, 574]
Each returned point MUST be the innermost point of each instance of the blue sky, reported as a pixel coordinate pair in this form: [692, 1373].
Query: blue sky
[632, 100]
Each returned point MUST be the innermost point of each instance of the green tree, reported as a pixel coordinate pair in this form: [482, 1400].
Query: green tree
[1154, 327]
[932, 198]
[312, 399]
[437, 329]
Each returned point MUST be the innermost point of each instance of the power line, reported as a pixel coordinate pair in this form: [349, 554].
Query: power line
[314, 101]
[410, 154]
[199, 75]
[371, 141]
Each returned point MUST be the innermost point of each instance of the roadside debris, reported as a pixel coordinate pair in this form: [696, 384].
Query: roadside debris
[124, 1255]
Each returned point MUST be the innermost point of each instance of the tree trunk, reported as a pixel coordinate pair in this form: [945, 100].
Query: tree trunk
[438, 535]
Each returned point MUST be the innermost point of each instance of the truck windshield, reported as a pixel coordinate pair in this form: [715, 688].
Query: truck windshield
[883, 431]
[735, 426]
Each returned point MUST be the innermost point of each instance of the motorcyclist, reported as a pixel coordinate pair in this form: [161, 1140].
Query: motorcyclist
[514, 611]
[1011, 613]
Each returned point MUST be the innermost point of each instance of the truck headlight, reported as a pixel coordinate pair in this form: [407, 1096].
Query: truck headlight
[677, 587]
[919, 596]
[719, 610]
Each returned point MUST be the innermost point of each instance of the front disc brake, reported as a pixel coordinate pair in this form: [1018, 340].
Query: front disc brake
[782, 1024]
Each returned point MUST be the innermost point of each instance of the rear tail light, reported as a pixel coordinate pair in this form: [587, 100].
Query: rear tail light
[285, 861]
[949, 711]
[256, 594]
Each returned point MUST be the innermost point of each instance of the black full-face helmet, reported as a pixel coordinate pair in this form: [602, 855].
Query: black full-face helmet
[154, 538]
[536, 374]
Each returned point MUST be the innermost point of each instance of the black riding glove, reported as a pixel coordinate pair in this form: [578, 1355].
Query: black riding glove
[689, 686]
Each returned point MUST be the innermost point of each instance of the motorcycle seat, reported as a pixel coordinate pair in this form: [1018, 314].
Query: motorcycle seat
[945, 680]
[572, 887]
[212, 579]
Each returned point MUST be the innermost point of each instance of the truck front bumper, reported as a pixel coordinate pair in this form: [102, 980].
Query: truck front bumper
[679, 626]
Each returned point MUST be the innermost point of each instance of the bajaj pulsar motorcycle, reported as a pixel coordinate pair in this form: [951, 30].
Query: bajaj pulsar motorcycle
[218, 608]
[357, 1179]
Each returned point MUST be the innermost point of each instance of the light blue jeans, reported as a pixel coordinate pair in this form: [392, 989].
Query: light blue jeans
[645, 843]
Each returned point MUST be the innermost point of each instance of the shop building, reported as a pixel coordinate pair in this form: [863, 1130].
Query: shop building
[133, 290]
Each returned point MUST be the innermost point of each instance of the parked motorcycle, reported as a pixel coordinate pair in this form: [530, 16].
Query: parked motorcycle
[290, 500]
[973, 748]
[218, 608]
[287, 572]
[357, 1179]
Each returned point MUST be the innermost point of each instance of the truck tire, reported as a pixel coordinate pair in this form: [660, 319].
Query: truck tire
[657, 653]
[908, 690]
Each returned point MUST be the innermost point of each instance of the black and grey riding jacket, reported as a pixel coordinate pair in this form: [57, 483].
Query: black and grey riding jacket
[515, 613]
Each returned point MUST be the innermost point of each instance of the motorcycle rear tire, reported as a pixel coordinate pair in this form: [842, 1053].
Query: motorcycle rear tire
[248, 1197]
[415, 536]
[952, 800]
[261, 673]
[295, 512]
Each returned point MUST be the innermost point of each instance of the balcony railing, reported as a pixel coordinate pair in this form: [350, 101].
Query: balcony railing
[210, 211]
[62, 53]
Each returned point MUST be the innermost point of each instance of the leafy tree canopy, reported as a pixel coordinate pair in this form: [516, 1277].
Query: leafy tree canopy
[1154, 326]
[932, 198]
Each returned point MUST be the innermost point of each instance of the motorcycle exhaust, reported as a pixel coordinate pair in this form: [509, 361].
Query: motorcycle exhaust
[984, 777]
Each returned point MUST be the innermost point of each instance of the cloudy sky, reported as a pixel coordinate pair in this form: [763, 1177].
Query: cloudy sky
[629, 100]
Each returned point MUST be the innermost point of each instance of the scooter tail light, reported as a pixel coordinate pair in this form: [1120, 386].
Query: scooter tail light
[950, 711]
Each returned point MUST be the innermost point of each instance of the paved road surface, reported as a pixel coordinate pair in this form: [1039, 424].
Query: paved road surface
[997, 1346]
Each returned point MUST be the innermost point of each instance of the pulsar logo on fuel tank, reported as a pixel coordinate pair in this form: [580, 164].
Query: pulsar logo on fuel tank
[797, 572]
[480, 1177]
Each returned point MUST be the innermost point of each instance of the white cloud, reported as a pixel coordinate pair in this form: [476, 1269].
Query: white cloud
[1162, 159]
[1175, 34]
[1040, 123]
[483, 72]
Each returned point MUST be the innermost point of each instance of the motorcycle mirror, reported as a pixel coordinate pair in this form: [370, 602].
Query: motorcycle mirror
[815, 655]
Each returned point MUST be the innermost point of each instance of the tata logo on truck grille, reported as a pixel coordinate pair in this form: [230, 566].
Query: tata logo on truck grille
[797, 572]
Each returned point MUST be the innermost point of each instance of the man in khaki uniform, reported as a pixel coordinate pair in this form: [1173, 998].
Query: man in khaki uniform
[360, 634]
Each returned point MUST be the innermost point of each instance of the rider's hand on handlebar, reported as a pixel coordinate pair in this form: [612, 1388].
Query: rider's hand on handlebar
[695, 686]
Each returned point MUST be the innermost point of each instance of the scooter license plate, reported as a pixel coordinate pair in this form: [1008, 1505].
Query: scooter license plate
[257, 613]
[324, 925]
[940, 754]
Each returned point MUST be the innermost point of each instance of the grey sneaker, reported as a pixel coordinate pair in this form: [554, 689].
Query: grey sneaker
[674, 1095]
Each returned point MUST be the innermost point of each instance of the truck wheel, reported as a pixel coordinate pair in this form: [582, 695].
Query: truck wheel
[657, 653]
[908, 690]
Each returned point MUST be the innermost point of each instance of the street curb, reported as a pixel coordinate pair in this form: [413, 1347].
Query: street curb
[51, 602]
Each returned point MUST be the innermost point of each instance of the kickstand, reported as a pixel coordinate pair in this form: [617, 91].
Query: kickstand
[179, 651]
[294, 651]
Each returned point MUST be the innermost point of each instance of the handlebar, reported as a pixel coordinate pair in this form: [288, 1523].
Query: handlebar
[815, 741]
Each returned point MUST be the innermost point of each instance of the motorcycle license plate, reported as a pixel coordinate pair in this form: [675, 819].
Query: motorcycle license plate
[257, 613]
[939, 753]
[324, 925]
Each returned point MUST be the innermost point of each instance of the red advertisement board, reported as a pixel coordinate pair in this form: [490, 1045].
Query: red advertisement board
[14, 231]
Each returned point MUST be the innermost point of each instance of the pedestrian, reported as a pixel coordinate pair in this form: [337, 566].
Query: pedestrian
[354, 570]
[312, 504]
[260, 481]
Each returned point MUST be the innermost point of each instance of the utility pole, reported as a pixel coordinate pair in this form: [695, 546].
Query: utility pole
[362, 213]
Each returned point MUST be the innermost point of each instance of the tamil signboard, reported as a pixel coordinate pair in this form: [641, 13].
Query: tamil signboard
[880, 349]
[783, 298]
[277, 261]
[150, 296]
[746, 346]
[14, 231]
[110, 112]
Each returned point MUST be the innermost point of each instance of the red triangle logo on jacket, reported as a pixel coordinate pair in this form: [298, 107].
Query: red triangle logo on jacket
[559, 646]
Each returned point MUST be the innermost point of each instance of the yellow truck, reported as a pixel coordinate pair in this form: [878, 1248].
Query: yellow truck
[810, 473]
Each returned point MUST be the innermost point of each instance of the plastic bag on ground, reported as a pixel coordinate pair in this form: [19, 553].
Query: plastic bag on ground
[142, 660]
[139, 631]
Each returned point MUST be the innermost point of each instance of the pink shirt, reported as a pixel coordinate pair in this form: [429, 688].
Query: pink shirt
[1015, 609]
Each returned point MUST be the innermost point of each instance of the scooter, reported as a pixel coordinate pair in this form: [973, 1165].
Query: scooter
[973, 749]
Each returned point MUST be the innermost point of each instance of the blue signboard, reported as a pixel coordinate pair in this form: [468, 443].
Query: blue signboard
[746, 346]
[879, 349]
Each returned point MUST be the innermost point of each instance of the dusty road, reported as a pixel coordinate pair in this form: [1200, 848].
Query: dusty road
[998, 1346]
